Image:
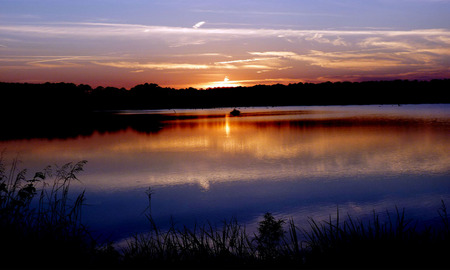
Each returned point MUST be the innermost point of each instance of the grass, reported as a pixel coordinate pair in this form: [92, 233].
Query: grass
[395, 242]
[41, 226]
[40, 223]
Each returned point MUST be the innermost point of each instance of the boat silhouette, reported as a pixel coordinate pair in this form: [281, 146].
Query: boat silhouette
[235, 112]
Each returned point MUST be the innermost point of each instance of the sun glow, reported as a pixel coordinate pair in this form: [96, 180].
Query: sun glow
[225, 83]
[227, 126]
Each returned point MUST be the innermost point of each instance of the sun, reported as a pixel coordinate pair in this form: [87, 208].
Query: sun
[225, 83]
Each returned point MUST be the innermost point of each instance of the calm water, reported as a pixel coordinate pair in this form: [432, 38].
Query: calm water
[296, 162]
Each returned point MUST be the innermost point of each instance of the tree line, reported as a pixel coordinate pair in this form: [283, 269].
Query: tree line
[69, 97]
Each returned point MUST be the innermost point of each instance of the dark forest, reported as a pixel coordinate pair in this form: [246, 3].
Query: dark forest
[62, 110]
[68, 97]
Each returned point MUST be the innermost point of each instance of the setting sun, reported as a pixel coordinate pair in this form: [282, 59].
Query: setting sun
[184, 44]
[225, 83]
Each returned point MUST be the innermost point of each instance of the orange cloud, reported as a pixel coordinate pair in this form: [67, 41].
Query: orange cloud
[157, 66]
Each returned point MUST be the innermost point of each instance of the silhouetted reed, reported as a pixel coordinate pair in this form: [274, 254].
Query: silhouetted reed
[205, 245]
[39, 220]
[392, 242]
[41, 226]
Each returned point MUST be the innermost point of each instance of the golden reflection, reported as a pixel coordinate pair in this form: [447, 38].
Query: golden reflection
[205, 150]
[227, 126]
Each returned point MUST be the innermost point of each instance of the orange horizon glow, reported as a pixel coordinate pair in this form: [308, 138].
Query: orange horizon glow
[221, 84]
[182, 45]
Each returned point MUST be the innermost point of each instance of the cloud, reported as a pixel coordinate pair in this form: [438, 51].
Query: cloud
[197, 35]
[319, 37]
[101, 30]
[363, 60]
[274, 53]
[156, 66]
[198, 25]
[350, 51]
[244, 60]
[238, 64]
[387, 44]
[261, 67]
[61, 61]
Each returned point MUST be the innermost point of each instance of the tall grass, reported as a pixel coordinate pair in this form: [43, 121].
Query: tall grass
[40, 223]
[394, 241]
[205, 245]
[41, 226]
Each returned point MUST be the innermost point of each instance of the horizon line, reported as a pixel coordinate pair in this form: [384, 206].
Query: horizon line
[226, 87]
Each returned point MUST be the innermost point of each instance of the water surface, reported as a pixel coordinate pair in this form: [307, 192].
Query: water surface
[295, 162]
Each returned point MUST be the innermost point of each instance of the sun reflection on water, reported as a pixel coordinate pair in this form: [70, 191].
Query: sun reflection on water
[227, 126]
[294, 162]
[228, 149]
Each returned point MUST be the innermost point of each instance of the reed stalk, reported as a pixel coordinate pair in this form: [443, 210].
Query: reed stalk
[40, 219]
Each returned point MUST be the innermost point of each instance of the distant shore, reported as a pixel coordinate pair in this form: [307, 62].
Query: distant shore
[64, 125]
[68, 98]
[61, 110]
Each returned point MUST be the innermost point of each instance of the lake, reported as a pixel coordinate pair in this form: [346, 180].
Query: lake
[295, 162]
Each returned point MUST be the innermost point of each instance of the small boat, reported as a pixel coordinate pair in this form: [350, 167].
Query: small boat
[235, 112]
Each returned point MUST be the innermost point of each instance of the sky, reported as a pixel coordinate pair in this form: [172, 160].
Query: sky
[214, 43]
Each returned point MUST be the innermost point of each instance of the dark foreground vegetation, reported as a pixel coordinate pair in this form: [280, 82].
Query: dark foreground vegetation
[40, 225]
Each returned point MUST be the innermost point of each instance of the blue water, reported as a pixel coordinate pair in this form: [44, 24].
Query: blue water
[296, 162]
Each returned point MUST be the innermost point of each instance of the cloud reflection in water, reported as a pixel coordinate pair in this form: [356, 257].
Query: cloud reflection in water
[286, 160]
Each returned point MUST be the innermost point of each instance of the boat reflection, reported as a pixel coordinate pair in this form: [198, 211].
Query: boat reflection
[291, 161]
[261, 146]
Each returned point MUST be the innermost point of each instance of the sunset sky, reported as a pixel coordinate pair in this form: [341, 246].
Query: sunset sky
[182, 43]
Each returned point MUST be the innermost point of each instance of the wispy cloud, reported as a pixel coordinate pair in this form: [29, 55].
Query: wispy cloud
[156, 66]
[224, 49]
[245, 60]
[275, 53]
[101, 30]
[379, 42]
[198, 25]
[319, 37]
[365, 60]
[236, 64]
[200, 35]
[64, 61]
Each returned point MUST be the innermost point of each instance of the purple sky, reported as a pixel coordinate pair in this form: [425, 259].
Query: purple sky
[182, 43]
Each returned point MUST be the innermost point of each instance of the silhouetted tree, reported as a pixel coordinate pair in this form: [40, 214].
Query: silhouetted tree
[270, 234]
[68, 98]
